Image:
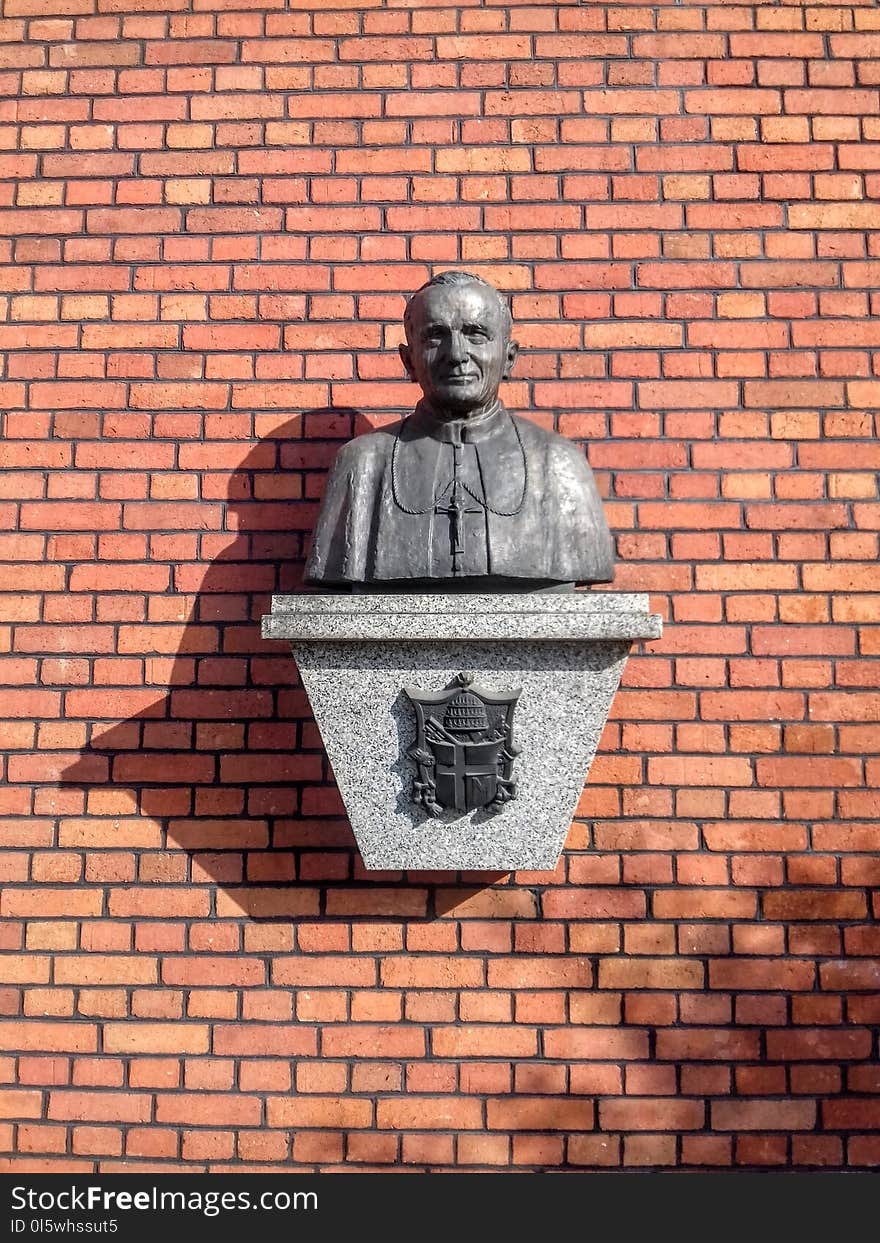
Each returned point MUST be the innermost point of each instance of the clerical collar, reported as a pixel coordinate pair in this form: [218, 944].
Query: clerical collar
[465, 431]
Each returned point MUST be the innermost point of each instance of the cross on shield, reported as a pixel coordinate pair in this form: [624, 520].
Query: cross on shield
[464, 747]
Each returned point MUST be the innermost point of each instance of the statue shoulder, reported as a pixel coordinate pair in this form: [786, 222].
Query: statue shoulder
[367, 450]
[558, 449]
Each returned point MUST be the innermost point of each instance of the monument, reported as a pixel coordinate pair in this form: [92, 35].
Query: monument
[448, 548]
[460, 493]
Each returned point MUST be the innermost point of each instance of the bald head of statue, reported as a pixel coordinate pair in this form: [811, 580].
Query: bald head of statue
[459, 344]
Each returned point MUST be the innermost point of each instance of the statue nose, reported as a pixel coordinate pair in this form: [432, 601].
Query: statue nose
[457, 346]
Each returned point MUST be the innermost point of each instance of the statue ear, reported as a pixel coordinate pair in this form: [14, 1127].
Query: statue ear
[406, 359]
[510, 358]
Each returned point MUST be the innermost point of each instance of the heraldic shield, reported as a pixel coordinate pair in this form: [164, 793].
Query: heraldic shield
[464, 748]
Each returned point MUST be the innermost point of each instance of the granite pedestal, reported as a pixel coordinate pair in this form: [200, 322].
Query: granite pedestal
[565, 652]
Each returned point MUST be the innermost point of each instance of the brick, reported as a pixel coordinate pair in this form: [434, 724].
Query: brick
[67, 516]
[263, 1040]
[335, 971]
[429, 1113]
[593, 904]
[811, 772]
[531, 1114]
[737, 101]
[815, 904]
[362, 1040]
[191, 1109]
[756, 1115]
[485, 1041]
[596, 1044]
[105, 969]
[636, 1114]
[755, 974]
[213, 970]
[818, 1044]
[707, 1044]
[477, 47]
[486, 903]
[706, 770]
[46, 904]
[323, 1111]
[99, 1106]
[543, 972]
[16, 1103]
[628, 973]
[37, 221]
[850, 1113]
[432, 972]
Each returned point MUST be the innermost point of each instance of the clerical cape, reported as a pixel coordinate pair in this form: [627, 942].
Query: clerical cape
[497, 498]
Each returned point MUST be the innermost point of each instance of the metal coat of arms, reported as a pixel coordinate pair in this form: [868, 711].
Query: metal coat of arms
[464, 749]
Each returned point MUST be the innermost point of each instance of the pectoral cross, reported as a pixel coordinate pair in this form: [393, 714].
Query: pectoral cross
[455, 511]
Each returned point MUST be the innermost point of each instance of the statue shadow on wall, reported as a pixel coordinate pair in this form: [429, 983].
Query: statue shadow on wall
[221, 777]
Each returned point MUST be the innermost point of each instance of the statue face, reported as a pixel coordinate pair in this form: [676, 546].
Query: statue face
[458, 350]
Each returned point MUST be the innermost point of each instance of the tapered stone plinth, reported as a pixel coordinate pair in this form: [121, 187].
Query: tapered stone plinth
[358, 655]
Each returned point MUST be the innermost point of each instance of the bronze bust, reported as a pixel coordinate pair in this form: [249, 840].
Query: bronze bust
[460, 495]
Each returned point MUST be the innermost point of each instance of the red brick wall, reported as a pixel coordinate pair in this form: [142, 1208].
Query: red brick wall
[211, 211]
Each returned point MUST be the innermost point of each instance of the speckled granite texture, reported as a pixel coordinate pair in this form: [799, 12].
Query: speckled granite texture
[356, 653]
